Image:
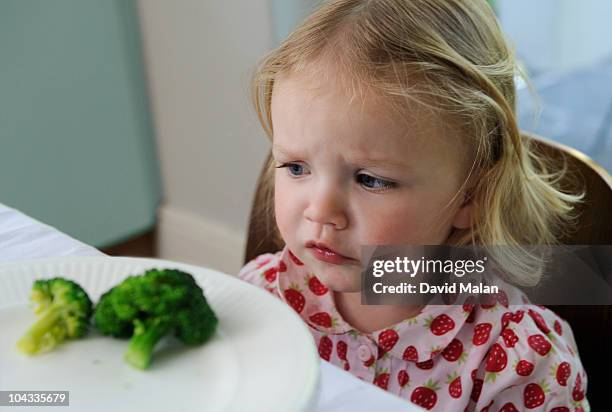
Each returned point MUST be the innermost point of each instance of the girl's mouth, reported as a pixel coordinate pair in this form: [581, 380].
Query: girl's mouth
[325, 254]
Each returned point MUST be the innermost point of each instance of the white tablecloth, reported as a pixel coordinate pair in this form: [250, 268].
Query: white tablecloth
[22, 237]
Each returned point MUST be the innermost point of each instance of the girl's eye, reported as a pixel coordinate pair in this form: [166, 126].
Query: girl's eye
[294, 169]
[374, 183]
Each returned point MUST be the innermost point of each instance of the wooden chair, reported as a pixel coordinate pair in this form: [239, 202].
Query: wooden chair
[592, 325]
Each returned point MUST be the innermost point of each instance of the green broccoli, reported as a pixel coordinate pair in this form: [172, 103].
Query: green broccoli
[63, 309]
[150, 306]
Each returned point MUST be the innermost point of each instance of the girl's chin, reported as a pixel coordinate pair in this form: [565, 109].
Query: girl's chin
[338, 282]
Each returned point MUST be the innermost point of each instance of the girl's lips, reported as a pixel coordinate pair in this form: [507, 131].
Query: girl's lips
[325, 254]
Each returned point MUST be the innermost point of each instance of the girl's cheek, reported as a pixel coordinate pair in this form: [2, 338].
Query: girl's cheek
[285, 208]
[388, 231]
[405, 221]
[400, 225]
[385, 223]
[282, 218]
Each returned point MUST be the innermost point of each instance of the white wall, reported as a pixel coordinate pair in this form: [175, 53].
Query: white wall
[199, 56]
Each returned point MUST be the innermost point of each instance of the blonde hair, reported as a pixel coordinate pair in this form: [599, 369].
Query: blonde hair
[463, 68]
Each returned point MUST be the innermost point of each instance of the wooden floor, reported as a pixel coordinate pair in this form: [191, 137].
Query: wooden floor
[143, 245]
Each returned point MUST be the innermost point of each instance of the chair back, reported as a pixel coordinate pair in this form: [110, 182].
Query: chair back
[592, 325]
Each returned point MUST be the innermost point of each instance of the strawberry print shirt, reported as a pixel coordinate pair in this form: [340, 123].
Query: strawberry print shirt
[494, 357]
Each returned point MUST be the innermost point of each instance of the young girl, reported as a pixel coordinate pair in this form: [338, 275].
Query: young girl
[392, 122]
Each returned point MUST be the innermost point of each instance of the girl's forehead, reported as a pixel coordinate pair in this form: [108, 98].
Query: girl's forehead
[310, 112]
[322, 79]
[303, 100]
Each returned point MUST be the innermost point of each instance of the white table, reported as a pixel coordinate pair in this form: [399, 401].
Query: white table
[22, 237]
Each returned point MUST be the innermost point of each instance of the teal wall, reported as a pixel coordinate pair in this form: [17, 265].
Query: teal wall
[76, 139]
[288, 14]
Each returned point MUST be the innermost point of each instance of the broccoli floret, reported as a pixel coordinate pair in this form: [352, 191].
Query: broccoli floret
[63, 309]
[150, 306]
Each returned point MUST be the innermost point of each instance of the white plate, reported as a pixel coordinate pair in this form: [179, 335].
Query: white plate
[262, 358]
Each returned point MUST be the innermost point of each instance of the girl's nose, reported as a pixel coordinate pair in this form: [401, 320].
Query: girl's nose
[327, 207]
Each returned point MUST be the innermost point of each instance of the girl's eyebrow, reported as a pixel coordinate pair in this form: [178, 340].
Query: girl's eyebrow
[380, 161]
[277, 149]
[361, 160]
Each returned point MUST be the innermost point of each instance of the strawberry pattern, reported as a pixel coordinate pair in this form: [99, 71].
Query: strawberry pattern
[322, 319]
[387, 340]
[454, 385]
[382, 380]
[510, 338]
[490, 356]
[524, 368]
[402, 378]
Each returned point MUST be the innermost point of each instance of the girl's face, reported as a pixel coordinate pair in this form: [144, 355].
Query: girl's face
[351, 172]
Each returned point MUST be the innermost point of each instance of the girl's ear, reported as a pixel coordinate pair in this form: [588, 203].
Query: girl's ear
[463, 217]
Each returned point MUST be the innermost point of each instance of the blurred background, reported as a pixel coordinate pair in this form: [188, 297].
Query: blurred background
[127, 124]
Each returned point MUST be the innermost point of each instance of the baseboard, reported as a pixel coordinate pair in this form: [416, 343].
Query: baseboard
[188, 237]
